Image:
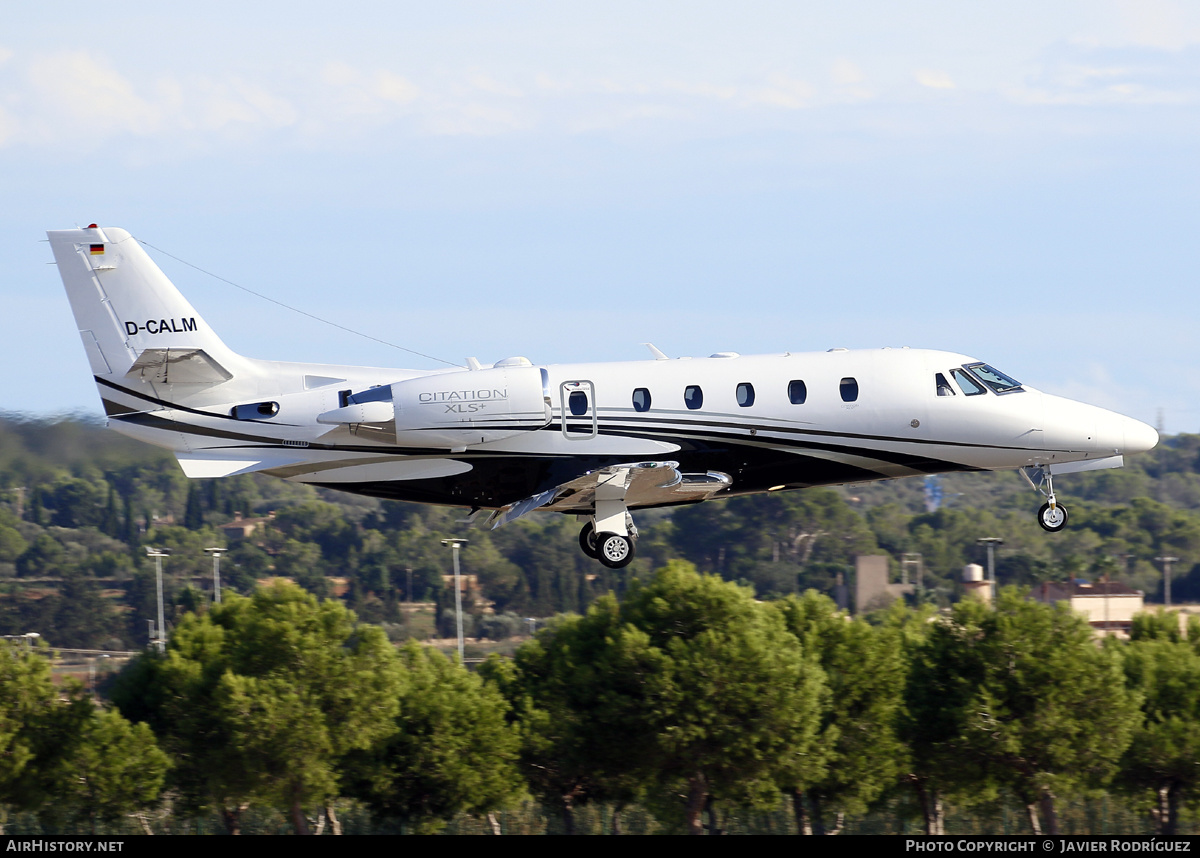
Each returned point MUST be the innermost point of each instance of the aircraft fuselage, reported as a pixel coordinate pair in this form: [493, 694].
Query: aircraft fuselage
[594, 439]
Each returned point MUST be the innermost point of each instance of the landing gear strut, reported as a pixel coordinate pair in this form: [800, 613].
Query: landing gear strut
[1052, 516]
[610, 534]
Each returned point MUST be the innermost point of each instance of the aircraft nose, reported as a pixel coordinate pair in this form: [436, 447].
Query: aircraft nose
[1071, 425]
[1139, 436]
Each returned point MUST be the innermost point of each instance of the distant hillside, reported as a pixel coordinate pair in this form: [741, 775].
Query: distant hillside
[79, 504]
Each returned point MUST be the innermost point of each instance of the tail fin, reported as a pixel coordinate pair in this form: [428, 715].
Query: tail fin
[134, 323]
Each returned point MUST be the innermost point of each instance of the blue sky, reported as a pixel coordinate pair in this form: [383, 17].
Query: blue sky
[566, 181]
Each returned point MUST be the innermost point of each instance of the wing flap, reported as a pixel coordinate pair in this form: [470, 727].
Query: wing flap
[645, 484]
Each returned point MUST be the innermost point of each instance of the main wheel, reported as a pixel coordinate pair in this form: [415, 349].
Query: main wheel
[1052, 520]
[587, 541]
[615, 551]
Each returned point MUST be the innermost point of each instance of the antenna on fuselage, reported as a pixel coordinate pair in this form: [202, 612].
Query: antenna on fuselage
[277, 302]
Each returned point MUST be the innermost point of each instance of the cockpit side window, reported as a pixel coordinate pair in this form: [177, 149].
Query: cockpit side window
[966, 381]
[995, 379]
[943, 386]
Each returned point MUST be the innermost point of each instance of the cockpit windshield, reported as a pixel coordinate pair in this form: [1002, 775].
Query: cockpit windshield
[995, 379]
[967, 382]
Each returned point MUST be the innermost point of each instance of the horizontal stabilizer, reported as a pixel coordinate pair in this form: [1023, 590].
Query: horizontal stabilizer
[178, 366]
[200, 467]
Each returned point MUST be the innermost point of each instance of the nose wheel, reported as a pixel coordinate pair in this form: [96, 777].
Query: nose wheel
[1052, 516]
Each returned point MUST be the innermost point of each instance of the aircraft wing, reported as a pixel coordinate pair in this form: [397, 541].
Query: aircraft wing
[638, 484]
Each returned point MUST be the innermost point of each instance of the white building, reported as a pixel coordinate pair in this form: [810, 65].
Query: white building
[1108, 606]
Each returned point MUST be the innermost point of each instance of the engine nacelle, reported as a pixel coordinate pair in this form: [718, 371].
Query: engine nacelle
[460, 409]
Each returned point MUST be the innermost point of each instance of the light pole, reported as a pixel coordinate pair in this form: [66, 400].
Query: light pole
[161, 635]
[92, 671]
[455, 544]
[1166, 562]
[216, 556]
[914, 559]
[991, 542]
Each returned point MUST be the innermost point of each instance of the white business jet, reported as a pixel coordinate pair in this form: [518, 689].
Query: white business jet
[593, 440]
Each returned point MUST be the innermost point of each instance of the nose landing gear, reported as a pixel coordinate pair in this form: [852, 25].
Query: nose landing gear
[1052, 516]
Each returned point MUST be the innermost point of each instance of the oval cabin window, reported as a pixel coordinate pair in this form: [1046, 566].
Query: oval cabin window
[745, 394]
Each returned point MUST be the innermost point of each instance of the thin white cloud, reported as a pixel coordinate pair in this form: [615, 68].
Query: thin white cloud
[65, 97]
[702, 90]
[846, 73]
[1163, 24]
[394, 88]
[346, 92]
[270, 108]
[8, 126]
[1116, 94]
[549, 83]
[237, 106]
[1086, 75]
[783, 91]
[473, 120]
[933, 79]
[80, 89]
[492, 86]
[849, 82]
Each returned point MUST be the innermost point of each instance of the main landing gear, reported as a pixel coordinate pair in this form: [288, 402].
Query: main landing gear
[610, 535]
[1052, 516]
[614, 550]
